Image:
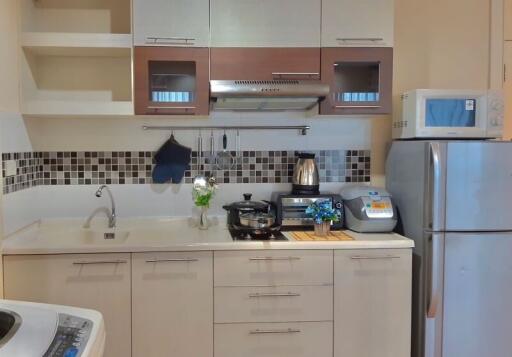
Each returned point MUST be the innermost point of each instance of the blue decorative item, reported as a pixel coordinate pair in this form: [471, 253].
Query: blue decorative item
[322, 211]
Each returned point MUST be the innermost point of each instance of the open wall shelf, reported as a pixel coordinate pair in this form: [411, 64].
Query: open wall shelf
[57, 83]
[76, 16]
[76, 57]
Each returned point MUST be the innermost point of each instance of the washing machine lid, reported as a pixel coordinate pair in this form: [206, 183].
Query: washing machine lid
[33, 332]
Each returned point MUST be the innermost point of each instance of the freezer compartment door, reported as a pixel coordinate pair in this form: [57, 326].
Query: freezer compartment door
[477, 295]
[479, 186]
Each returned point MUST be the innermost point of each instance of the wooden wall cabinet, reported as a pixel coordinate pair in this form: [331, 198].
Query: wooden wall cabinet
[171, 80]
[372, 303]
[172, 303]
[94, 281]
[171, 23]
[360, 23]
[360, 78]
[264, 63]
[265, 23]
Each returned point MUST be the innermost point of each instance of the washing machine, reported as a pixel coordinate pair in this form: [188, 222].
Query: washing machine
[40, 330]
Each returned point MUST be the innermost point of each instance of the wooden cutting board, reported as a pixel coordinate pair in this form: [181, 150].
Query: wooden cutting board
[310, 236]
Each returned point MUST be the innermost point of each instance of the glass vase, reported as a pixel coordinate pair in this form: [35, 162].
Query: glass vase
[203, 218]
[322, 229]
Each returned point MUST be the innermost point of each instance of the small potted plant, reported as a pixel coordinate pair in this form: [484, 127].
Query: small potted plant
[323, 216]
[202, 195]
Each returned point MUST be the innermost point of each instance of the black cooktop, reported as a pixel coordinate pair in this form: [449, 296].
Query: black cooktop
[239, 235]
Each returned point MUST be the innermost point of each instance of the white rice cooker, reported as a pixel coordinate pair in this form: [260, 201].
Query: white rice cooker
[40, 330]
[368, 209]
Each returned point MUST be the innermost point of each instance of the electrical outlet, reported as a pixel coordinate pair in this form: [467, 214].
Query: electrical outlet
[10, 168]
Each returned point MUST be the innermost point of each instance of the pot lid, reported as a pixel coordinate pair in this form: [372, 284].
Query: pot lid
[247, 204]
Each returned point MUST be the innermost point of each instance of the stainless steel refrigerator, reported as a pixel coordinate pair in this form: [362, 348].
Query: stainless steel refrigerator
[455, 200]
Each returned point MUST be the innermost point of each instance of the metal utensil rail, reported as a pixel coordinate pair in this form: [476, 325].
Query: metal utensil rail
[302, 128]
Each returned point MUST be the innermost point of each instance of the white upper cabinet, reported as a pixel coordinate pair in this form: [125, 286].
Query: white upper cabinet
[171, 22]
[265, 23]
[360, 23]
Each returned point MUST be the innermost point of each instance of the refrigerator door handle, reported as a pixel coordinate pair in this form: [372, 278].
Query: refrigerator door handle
[436, 187]
[436, 274]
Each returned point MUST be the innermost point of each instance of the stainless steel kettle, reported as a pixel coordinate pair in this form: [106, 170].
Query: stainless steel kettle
[306, 180]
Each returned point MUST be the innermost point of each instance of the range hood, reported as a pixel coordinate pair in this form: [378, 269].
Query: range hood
[276, 95]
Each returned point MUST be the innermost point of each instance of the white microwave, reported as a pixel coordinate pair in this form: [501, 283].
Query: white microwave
[444, 114]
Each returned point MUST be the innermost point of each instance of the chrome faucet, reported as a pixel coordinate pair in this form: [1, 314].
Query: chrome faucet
[112, 218]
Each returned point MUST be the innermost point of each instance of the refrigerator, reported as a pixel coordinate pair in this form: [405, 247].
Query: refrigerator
[454, 200]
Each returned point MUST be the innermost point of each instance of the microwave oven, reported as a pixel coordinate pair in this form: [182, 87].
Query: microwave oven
[444, 114]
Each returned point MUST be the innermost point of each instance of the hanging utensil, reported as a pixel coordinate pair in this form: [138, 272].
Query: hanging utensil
[238, 157]
[225, 160]
[200, 180]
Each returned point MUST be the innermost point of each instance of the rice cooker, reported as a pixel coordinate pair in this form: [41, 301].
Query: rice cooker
[368, 209]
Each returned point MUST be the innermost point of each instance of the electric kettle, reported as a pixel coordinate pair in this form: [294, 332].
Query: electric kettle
[305, 179]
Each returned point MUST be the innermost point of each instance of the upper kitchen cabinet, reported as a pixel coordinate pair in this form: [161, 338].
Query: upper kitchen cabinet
[265, 23]
[264, 63]
[360, 80]
[171, 80]
[171, 23]
[359, 23]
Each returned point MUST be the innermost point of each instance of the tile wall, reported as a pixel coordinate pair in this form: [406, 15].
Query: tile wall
[128, 167]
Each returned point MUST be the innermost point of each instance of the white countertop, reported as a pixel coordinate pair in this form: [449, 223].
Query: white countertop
[149, 235]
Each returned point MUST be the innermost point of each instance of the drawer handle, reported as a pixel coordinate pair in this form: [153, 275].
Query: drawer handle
[371, 39]
[263, 295]
[273, 258]
[100, 262]
[177, 260]
[360, 257]
[260, 332]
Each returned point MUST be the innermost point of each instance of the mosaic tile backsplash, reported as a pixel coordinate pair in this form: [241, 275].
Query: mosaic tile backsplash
[129, 167]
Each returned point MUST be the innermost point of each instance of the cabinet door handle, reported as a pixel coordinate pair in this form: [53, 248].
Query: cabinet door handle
[171, 40]
[364, 257]
[177, 260]
[350, 39]
[289, 330]
[97, 262]
[273, 258]
[357, 106]
[264, 295]
[295, 74]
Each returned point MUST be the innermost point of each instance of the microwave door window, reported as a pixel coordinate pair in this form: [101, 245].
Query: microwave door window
[460, 113]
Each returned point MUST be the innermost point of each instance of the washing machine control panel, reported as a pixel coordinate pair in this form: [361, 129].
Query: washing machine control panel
[71, 337]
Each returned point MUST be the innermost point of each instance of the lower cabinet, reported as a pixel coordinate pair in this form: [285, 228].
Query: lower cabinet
[297, 339]
[94, 281]
[172, 301]
[372, 303]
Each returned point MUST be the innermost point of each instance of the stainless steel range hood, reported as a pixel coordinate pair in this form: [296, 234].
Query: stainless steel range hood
[277, 95]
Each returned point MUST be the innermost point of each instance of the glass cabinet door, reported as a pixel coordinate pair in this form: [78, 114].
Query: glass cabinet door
[360, 80]
[171, 81]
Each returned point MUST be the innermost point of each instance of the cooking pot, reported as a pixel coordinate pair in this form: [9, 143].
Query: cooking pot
[257, 220]
[236, 209]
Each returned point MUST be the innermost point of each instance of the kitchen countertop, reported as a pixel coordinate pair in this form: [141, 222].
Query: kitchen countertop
[149, 235]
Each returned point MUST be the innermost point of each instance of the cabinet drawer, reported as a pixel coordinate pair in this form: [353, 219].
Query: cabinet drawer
[274, 340]
[273, 304]
[273, 268]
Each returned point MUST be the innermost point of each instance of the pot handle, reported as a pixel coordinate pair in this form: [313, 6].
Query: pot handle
[247, 196]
